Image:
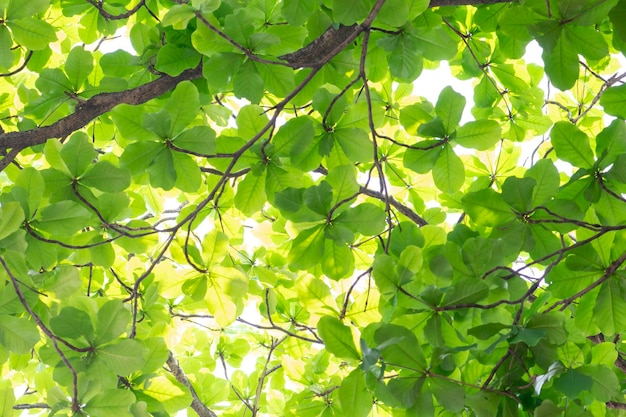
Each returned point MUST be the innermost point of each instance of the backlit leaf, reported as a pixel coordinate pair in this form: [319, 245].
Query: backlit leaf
[337, 338]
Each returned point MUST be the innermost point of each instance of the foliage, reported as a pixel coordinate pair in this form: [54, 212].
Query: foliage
[257, 214]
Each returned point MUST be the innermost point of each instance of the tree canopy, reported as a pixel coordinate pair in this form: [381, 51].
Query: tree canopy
[255, 213]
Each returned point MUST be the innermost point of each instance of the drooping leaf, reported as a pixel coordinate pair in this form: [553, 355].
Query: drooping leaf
[572, 145]
[353, 395]
[11, 218]
[449, 171]
[337, 338]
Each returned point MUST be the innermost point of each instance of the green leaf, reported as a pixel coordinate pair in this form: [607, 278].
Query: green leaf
[250, 196]
[547, 181]
[15, 10]
[137, 157]
[450, 395]
[449, 171]
[77, 154]
[318, 198]
[572, 383]
[338, 261]
[479, 134]
[449, 108]
[170, 395]
[32, 33]
[307, 248]
[183, 106]
[343, 181]
[348, 12]
[610, 143]
[424, 159]
[298, 11]
[103, 254]
[605, 383]
[518, 192]
[78, 66]
[173, 59]
[106, 177]
[614, 101]
[399, 347]
[398, 12]
[466, 291]
[178, 16]
[113, 320]
[277, 80]
[572, 145]
[552, 324]
[618, 18]
[72, 323]
[129, 122]
[18, 335]
[609, 312]
[354, 397]
[187, 172]
[405, 61]
[366, 218]
[355, 143]
[214, 247]
[587, 41]
[63, 218]
[7, 398]
[11, 218]
[248, 84]
[110, 403]
[122, 357]
[251, 120]
[337, 338]
[561, 64]
[294, 135]
[435, 43]
[485, 331]
[32, 181]
[487, 208]
[161, 169]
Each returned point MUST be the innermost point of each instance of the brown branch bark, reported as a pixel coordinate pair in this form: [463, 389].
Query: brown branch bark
[94, 107]
[197, 405]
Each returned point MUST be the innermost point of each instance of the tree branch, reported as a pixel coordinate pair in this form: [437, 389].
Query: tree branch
[197, 405]
[94, 107]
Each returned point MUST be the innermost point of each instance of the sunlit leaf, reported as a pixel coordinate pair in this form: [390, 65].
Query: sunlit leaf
[337, 338]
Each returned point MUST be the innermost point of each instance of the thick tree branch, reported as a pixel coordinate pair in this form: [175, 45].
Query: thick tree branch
[94, 107]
